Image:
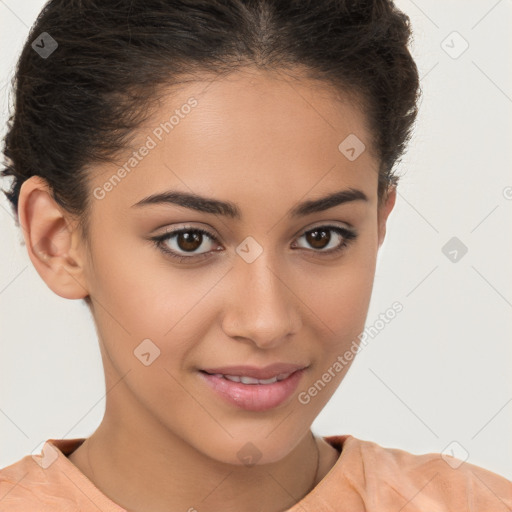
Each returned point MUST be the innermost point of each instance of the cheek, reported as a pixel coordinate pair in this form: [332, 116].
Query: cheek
[140, 296]
[139, 287]
[340, 295]
[341, 312]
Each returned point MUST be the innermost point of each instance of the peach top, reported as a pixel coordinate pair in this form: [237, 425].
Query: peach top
[366, 478]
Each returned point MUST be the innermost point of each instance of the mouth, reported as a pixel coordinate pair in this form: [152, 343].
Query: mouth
[279, 371]
[250, 393]
[244, 379]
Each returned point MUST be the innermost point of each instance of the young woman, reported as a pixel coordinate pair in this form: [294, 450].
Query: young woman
[213, 178]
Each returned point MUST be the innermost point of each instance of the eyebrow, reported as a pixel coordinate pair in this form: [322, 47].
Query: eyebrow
[230, 209]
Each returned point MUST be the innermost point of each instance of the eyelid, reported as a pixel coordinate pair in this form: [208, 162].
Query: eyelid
[169, 233]
[321, 224]
[182, 226]
[348, 235]
[324, 224]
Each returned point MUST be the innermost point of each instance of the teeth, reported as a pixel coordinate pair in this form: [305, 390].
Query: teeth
[234, 378]
[250, 380]
[267, 381]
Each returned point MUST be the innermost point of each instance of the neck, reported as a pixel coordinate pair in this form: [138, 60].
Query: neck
[149, 472]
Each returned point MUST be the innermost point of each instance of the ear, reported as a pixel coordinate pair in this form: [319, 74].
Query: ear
[51, 239]
[384, 211]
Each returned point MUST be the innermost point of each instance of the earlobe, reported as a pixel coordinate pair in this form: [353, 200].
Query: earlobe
[384, 211]
[49, 238]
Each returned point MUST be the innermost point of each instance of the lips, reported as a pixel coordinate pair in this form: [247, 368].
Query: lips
[256, 397]
[251, 380]
[276, 370]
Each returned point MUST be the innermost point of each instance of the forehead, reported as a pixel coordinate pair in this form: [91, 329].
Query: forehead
[249, 132]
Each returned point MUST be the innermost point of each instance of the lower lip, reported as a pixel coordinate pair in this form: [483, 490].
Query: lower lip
[254, 397]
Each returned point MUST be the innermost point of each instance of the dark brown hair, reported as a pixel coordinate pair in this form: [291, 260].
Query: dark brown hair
[80, 105]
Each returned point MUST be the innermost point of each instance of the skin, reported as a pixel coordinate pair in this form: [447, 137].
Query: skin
[265, 141]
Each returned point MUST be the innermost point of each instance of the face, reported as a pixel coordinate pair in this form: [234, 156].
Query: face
[178, 289]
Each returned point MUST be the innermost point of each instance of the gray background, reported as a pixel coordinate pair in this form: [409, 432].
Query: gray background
[440, 371]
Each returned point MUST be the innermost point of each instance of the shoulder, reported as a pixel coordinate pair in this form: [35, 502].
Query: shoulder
[17, 489]
[383, 474]
[45, 481]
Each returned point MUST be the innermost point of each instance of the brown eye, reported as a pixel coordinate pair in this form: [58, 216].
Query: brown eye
[187, 241]
[320, 238]
[182, 244]
[178, 243]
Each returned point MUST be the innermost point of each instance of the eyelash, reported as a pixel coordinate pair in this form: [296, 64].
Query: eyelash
[348, 237]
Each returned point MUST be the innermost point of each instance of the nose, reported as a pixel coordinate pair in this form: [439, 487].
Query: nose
[262, 306]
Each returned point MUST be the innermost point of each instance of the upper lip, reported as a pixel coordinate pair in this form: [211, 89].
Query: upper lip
[267, 372]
